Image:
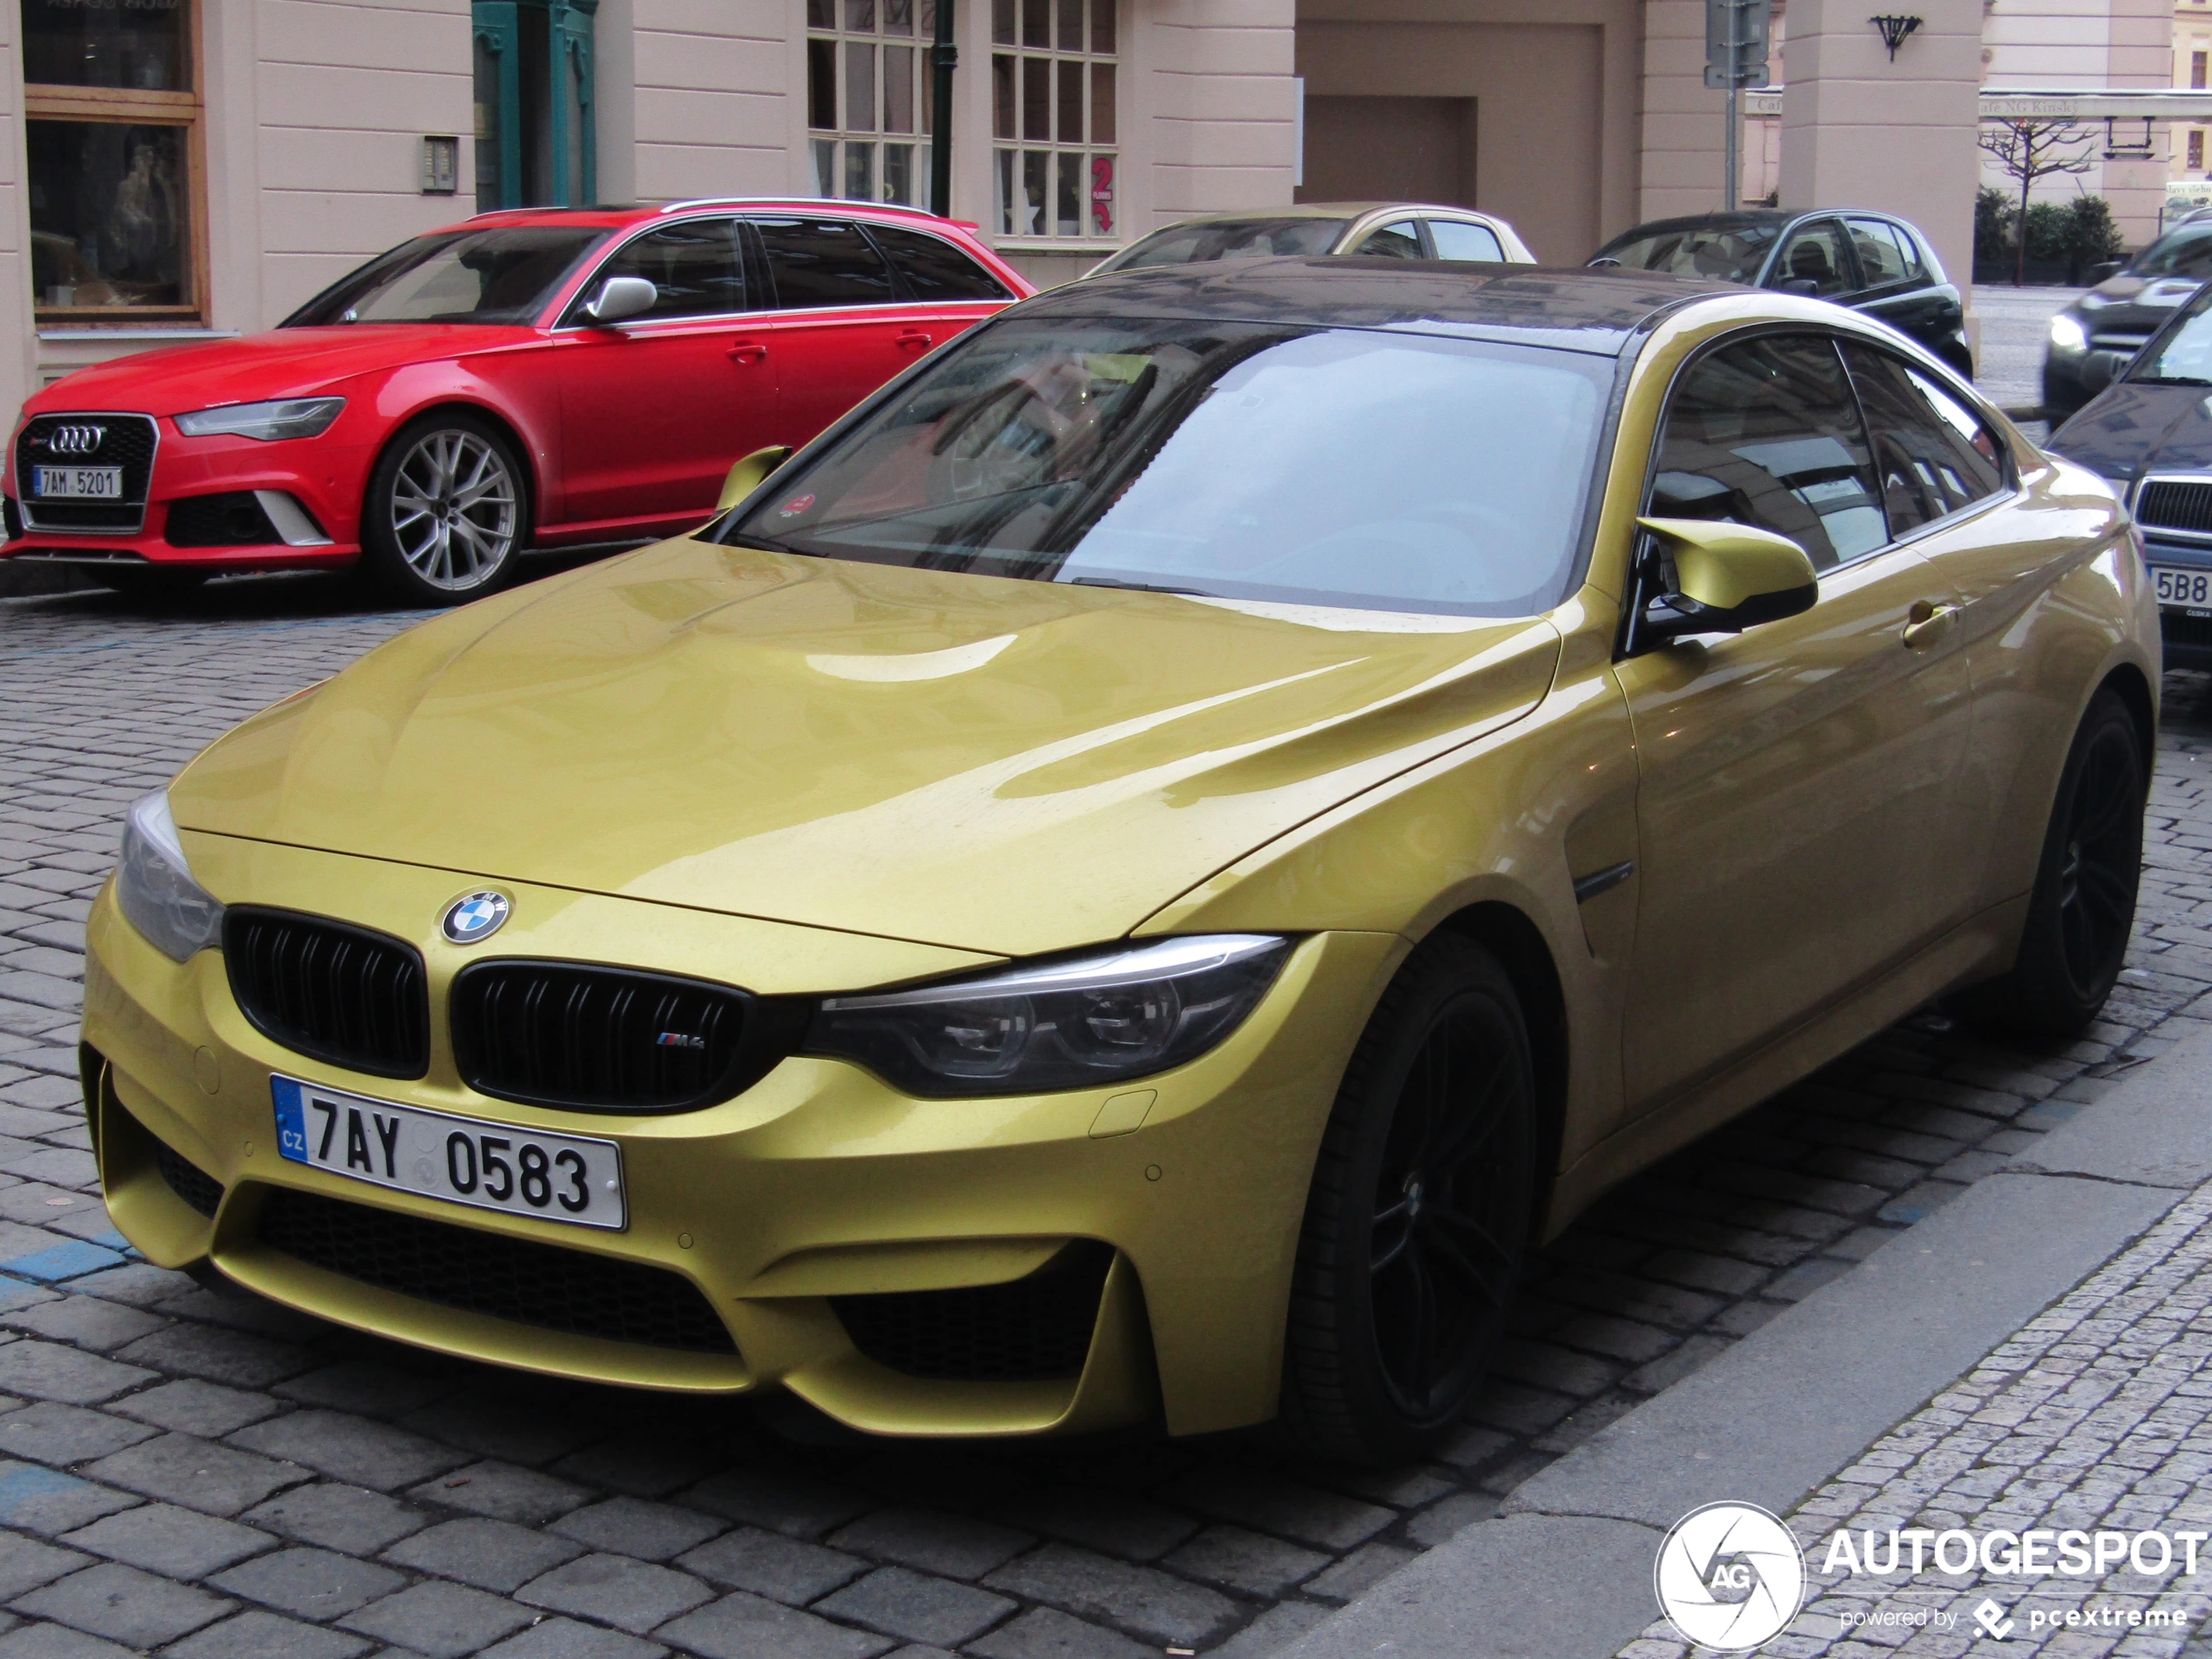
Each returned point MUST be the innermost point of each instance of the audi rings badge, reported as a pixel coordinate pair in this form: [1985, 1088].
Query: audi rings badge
[76, 438]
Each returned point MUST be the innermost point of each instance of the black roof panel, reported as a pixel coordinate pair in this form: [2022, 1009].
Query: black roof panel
[1574, 307]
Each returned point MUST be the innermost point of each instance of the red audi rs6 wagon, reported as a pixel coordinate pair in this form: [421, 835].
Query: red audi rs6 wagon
[533, 378]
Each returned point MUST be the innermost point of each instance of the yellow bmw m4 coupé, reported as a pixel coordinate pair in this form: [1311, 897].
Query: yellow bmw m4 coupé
[1134, 880]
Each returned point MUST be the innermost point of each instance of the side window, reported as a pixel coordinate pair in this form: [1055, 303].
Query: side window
[1815, 255]
[1931, 455]
[1456, 238]
[818, 262]
[1766, 432]
[693, 266]
[1884, 256]
[1401, 241]
[934, 268]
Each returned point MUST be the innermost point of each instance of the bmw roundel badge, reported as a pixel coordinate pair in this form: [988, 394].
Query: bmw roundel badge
[474, 916]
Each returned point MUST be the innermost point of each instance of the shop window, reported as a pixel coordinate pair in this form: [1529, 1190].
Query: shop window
[1053, 112]
[535, 142]
[868, 90]
[111, 131]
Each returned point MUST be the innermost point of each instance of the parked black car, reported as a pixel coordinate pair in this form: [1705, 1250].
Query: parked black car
[1873, 262]
[2149, 433]
[2093, 339]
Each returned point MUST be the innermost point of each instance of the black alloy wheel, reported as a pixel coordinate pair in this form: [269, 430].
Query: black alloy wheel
[1419, 1213]
[2081, 911]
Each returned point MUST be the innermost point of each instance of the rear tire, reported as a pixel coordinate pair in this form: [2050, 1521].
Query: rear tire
[447, 511]
[2082, 908]
[1418, 1216]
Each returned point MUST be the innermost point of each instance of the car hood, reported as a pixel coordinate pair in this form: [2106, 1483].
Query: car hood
[284, 362]
[2132, 429]
[994, 765]
[2133, 304]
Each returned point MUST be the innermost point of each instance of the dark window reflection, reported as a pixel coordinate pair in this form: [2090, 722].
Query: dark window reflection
[135, 44]
[108, 214]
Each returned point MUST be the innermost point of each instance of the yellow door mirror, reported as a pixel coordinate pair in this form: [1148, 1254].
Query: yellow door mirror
[750, 474]
[1728, 577]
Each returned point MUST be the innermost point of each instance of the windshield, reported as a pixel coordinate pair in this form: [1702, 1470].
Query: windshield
[1335, 467]
[1733, 255]
[504, 275]
[1229, 239]
[2181, 356]
[2188, 252]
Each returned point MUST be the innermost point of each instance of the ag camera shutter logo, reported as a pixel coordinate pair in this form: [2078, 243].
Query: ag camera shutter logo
[1729, 1577]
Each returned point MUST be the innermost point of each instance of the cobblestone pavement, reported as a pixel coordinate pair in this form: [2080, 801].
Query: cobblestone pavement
[2097, 1415]
[204, 1475]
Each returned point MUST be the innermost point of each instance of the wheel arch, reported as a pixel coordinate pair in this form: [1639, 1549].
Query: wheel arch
[2133, 687]
[1508, 933]
[533, 473]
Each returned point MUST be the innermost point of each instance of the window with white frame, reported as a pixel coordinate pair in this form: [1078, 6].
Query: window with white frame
[1053, 70]
[867, 97]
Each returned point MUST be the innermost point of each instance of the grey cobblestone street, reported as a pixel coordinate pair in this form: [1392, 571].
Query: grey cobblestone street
[2097, 1415]
[204, 1475]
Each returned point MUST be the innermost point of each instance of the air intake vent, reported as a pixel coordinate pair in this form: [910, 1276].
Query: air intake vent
[234, 519]
[330, 991]
[609, 1039]
[187, 1180]
[483, 1272]
[2183, 505]
[1031, 1330]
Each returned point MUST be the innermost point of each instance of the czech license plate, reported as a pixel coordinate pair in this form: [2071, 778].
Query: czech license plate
[490, 1166]
[2191, 589]
[90, 483]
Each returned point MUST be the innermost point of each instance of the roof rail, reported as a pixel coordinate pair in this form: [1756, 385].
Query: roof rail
[793, 201]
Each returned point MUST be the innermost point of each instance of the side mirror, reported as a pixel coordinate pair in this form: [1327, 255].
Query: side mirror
[620, 297]
[750, 474]
[1808, 287]
[2100, 368]
[1728, 577]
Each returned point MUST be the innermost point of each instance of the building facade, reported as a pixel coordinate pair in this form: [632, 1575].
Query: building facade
[182, 169]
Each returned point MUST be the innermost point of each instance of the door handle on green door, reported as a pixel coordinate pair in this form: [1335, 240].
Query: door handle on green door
[748, 351]
[1927, 622]
[914, 339]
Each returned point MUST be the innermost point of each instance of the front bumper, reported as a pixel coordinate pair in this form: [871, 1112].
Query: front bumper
[311, 488]
[2185, 631]
[818, 1181]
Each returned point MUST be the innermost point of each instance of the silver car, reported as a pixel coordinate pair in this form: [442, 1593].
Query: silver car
[1372, 230]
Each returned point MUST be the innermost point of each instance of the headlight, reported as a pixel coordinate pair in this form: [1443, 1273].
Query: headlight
[1099, 1019]
[2067, 335]
[154, 886]
[288, 417]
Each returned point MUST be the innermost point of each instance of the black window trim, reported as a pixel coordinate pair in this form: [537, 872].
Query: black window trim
[1771, 275]
[1900, 286]
[755, 269]
[1636, 598]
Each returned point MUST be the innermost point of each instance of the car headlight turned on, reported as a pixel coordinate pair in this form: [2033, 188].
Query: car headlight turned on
[1118, 1013]
[2067, 335]
[154, 885]
[287, 417]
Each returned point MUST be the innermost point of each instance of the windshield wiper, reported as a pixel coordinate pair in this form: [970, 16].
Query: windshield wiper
[761, 544]
[1134, 587]
[2169, 380]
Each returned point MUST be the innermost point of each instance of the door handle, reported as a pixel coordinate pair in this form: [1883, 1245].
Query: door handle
[914, 340]
[748, 351]
[1927, 622]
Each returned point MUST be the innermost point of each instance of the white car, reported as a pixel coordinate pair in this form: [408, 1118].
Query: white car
[1369, 230]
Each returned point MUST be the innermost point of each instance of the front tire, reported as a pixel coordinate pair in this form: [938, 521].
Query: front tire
[447, 510]
[1418, 1216]
[2081, 911]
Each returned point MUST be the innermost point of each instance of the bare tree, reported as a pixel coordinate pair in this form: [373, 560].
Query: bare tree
[2029, 150]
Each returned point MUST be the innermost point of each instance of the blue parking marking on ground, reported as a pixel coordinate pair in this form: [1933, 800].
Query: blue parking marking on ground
[71, 1260]
[26, 1483]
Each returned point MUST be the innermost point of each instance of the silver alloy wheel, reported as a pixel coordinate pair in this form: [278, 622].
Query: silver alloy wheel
[454, 510]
